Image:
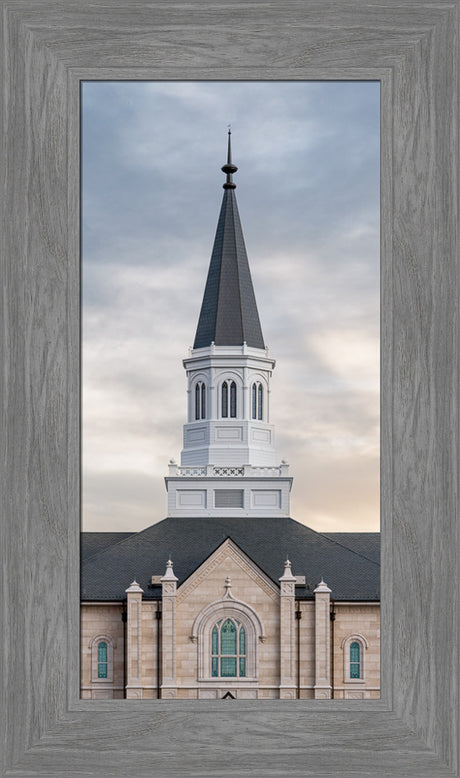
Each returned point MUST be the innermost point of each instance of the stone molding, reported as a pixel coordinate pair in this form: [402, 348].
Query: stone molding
[228, 547]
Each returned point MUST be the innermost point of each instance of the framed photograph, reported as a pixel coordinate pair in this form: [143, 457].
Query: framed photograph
[279, 460]
[412, 50]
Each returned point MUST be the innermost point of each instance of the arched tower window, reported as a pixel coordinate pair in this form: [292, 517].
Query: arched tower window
[200, 400]
[355, 660]
[233, 400]
[257, 401]
[228, 399]
[228, 649]
[224, 400]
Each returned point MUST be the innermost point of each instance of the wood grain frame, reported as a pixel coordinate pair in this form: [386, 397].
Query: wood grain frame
[411, 46]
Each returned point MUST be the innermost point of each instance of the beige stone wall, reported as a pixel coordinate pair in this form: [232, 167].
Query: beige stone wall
[101, 619]
[361, 620]
[206, 586]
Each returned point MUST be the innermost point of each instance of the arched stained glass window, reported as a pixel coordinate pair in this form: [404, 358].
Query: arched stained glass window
[225, 400]
[233, 400]
[355, 662]
[102, 659]
[228, 649]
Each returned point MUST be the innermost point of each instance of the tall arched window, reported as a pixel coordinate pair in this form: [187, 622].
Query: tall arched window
[257, 401]
[102, 659]
[200, 400]
[228, 649]
[355, 660]
[233, 400]
[228, 403]
[224, 400]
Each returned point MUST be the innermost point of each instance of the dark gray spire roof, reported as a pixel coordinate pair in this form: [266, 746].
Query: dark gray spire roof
[229, 314]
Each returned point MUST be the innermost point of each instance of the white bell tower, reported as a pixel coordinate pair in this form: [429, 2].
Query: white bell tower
[228, 463]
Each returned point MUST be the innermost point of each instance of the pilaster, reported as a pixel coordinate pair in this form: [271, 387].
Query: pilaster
[323, 688]
[287, 634]
[168, 633]
[134, 642]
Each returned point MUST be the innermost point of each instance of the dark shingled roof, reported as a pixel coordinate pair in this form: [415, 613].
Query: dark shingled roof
[229, 315]
[189, 541]
[93, 542]
[365, 543]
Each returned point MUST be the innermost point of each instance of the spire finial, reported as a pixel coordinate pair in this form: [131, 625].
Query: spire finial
[229, 168]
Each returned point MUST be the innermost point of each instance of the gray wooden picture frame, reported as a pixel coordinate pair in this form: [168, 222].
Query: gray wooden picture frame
[412, 48]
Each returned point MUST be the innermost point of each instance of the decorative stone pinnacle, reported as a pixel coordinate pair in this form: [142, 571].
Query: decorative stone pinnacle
[287, 575]
[134, 587]
[322, 587]
[228, 586]
[169, 572]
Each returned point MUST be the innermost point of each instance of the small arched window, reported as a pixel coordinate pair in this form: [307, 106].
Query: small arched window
[200, 400]
[228, 399]
[102, 659]
[228, 649]
[257, 401]
[224, 400]
[355, 660]
[233, 400]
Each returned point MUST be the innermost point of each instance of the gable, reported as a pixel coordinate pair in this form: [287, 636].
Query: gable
[227, 560]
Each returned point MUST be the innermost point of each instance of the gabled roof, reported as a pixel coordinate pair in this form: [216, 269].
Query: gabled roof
[267, 542]
[229, 315]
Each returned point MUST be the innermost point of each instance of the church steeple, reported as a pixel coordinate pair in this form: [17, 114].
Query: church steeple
[229, 315]
[229, 464]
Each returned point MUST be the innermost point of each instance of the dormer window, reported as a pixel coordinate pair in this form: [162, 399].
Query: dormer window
[228, 399]
[257, 401]
[200, 401]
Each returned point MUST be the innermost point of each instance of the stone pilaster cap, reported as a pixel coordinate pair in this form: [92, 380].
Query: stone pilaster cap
[287, 575]
[169, 573]
[134, 588]
[322, 588]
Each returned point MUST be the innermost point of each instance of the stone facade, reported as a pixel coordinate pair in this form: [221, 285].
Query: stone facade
[294, 648]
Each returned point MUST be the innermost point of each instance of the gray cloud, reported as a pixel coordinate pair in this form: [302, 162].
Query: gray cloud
[307, 189]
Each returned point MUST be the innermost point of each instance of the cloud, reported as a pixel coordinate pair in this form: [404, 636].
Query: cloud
[308, 190]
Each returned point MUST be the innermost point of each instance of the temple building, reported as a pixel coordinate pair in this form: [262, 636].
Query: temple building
[205, 604]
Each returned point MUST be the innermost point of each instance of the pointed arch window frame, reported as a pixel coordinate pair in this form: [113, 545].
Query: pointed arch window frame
[202, 636]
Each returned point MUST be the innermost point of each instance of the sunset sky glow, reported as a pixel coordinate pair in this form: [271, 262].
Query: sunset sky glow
[308, 196]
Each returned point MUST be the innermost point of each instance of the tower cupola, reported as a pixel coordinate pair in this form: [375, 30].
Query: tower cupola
[228, 462]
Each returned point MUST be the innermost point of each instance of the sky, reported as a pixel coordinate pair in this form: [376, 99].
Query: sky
[308, 197]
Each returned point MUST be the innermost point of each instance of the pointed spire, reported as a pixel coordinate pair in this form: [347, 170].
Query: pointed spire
[229, 315]
[229, 168]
